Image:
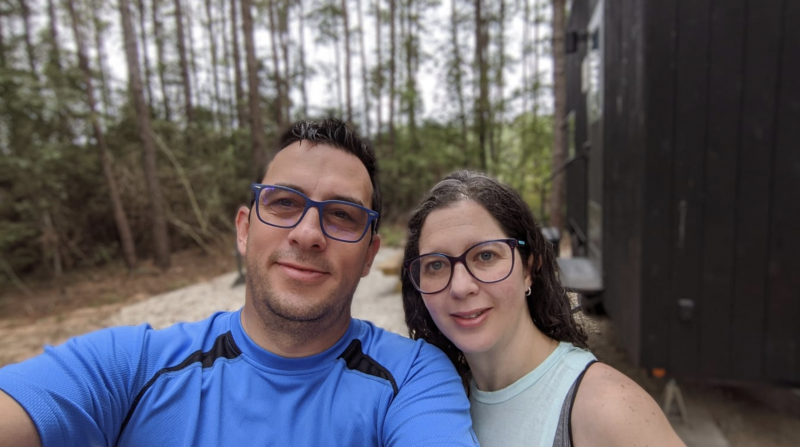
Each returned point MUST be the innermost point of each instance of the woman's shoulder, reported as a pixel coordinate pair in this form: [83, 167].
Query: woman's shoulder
[611, 409]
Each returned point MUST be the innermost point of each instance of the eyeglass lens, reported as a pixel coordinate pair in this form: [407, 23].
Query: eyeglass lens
[284, 208]
[488, 262]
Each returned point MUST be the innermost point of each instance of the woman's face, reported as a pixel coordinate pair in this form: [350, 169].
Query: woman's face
[477, 317]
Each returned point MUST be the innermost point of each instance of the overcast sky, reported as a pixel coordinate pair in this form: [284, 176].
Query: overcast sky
[322, 93]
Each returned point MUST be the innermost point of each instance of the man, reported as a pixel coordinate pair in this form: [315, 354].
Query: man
[291, 368]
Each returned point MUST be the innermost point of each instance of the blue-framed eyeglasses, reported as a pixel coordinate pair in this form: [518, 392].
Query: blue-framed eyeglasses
[488, 262]
[283, 207]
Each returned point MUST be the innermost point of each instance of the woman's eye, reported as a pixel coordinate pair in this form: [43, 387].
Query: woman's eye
[434, 266]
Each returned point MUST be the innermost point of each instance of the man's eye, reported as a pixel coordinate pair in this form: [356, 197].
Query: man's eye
[285, 203]
[339, 214]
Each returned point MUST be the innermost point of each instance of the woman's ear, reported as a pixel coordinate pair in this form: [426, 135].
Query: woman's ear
[530, 263]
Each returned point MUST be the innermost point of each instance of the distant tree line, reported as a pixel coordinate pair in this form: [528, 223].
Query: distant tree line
[100, 162]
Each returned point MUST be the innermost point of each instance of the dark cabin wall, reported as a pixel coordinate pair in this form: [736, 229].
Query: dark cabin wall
[660, 48]
[576, 102]
[698, 180]
[724, 98]
[722, 101]
[760, 83]
[623, 165]
[688, 183]
[782, 353]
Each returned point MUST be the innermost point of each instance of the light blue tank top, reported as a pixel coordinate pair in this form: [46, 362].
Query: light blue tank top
[534, 410]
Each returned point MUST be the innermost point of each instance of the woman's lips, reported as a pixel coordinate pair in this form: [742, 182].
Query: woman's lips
[472, 318]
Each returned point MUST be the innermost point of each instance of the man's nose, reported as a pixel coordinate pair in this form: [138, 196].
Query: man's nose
[308, 234]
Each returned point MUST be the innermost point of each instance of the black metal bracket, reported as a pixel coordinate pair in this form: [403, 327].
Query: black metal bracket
[572, 39]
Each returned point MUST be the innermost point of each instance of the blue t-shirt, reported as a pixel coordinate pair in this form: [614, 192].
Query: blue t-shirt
[209, 384]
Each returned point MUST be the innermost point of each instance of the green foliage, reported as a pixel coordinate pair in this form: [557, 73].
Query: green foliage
[524, 160]
[54, 198]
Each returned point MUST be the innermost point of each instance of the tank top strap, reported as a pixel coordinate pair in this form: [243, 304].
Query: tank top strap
[563, 436]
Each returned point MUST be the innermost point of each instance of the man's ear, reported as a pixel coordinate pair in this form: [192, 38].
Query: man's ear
[242, 229]
[372, 250]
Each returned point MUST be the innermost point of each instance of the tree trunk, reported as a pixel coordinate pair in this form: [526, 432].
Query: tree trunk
[120, 217]
[3, 61]
[184, 63]
[55, 53]
[536, 53]
[273, 32]
[378, 71]
[410, 91]
[497, 115]
[194, 72]
[54, 74]
[101, 56]
[256, 128]
[226, 61]
[481, 63]
[283, 27]
[457, 77]
[526, 50]
[348, 83]
[337, 59]
[159, 221]
[241, 110]
[558, 194]
[302, 57]
[145, 57]
[50, 243]
[26, 24]
[364, 78]
[158, 31]
[392, 69]
[212, 40]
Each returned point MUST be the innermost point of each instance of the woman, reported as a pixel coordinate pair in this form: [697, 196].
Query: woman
[481, 283]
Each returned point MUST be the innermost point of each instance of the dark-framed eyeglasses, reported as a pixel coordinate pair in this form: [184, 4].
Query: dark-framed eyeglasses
[488, 262]
[283, 207]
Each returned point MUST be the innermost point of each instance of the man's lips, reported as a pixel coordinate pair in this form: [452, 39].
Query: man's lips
[301, 267]
[300, 272]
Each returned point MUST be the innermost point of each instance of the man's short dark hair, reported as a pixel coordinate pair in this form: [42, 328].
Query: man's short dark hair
[335, 133]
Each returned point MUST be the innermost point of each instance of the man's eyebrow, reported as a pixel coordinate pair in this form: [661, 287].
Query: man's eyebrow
[343, 198]
[348, 199]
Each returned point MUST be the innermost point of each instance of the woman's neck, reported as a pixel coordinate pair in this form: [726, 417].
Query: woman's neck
[508, 362]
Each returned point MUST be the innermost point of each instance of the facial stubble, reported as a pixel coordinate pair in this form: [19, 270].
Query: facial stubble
[292, 313]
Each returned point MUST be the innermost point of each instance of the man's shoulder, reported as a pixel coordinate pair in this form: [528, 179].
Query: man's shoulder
[143, 344]
[397, 352]
[382, 342]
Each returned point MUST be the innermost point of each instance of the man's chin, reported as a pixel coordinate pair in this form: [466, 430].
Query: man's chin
[298, 308]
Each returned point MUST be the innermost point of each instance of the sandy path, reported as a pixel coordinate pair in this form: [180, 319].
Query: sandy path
[374, 300]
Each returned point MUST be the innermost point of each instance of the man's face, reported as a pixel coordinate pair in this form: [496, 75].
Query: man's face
[298, 274]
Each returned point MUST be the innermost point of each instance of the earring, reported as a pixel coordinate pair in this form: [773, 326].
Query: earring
[528, 292]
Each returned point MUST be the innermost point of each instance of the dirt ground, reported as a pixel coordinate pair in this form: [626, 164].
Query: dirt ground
[82, 301]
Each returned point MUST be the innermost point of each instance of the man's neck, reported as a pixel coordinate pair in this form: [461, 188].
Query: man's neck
[293, 339]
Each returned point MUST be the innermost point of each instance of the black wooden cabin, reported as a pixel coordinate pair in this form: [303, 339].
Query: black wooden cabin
[684, 185]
